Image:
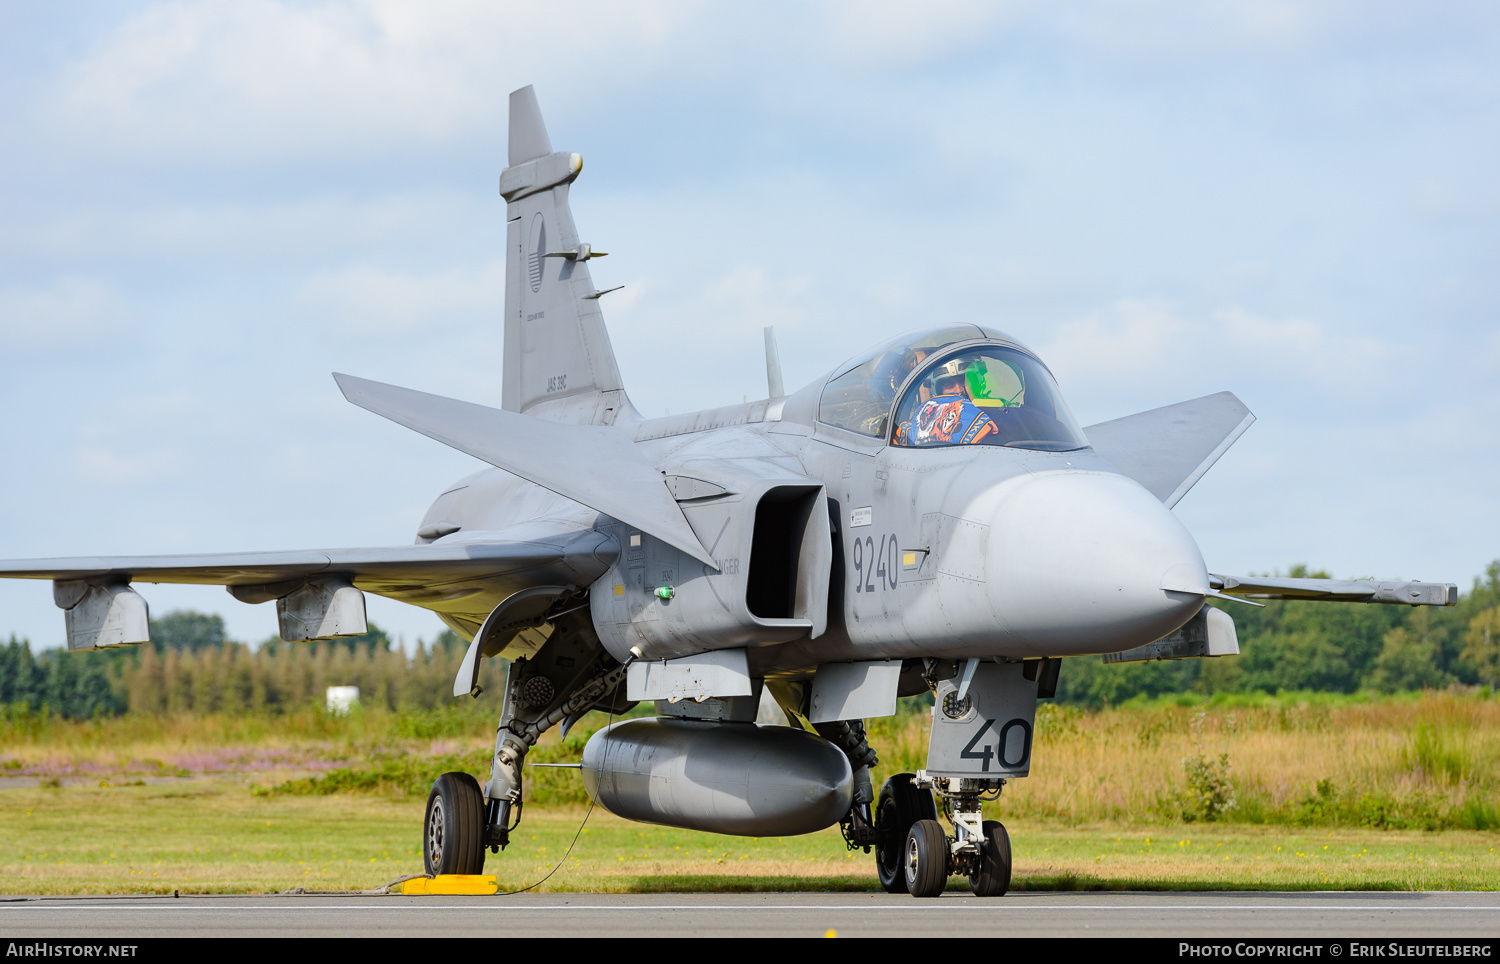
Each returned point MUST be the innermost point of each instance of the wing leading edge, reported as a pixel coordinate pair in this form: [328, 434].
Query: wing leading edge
[374, 568]
[316, 591]
[1168, 449]
[593, 465]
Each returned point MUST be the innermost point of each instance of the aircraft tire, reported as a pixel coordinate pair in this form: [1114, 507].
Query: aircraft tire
[992, 879]
[926, 863]
[899, 806]
[453, 828]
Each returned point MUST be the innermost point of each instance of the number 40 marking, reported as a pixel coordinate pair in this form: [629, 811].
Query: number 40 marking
[998, 751]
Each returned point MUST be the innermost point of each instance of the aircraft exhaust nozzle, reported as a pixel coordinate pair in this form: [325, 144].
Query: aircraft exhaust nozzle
[732, 778]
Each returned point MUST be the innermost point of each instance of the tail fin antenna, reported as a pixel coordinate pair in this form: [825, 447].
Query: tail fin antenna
[774, 383]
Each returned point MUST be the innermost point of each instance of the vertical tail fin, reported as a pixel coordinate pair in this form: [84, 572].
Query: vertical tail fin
[558, 363]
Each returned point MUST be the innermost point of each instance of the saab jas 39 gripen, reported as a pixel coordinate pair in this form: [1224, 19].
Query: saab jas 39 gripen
[926, 517]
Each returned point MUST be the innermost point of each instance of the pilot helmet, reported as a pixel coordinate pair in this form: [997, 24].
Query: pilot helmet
[946, 374]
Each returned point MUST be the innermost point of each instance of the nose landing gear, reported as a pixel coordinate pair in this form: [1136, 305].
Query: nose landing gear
[978, 849]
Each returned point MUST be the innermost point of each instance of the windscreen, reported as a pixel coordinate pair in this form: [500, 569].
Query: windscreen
[988, 395]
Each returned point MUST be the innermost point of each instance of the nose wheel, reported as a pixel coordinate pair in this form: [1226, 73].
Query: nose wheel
[991, 874]
[926, 867]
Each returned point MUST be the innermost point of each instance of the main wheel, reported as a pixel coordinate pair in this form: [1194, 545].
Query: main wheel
[453, 831]
[993, 876]
[900, 805]
[926, 863]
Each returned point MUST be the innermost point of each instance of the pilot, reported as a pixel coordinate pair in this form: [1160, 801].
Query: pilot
[949, 416]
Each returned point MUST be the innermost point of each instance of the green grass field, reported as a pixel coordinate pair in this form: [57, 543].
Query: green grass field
[1315, 794]
[212, 835]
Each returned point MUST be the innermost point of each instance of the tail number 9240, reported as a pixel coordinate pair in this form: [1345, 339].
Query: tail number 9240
[875, 568]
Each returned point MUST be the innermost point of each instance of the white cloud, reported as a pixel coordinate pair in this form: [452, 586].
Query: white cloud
[696, 345]
[1136, 347]
[373, 300]
[1167, 27]
[1304, 349]
[251, 79]
[65, 313]
[759, 298]
[143, 438]
[284, 228]
[1127, 337]
[744, 300]
[161, 409]
[103, 465]
[1491, 352]
[890, 32]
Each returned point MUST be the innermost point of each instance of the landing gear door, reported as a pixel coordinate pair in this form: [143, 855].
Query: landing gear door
[987, 734]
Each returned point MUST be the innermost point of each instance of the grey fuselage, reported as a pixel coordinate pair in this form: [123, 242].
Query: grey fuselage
[948, 552]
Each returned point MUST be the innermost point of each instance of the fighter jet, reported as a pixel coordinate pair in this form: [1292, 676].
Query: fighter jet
[926, 517]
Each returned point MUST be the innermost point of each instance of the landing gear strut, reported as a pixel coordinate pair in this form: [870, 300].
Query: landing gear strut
[568, 676]
[978, 849]
[858, 825]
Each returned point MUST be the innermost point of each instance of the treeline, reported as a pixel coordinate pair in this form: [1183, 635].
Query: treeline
[194, 668]
[1329, 647]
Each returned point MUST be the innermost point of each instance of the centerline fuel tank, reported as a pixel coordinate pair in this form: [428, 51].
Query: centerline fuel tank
[731, 778]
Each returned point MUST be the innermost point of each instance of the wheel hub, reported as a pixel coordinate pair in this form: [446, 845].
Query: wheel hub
[435, 831]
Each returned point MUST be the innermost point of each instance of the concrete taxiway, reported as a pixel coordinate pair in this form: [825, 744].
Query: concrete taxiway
[1177, 915]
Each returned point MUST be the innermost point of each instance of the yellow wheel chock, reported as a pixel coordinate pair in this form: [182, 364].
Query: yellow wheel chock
[451, 884]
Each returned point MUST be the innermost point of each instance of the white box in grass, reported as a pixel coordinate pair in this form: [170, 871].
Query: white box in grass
[341, 699]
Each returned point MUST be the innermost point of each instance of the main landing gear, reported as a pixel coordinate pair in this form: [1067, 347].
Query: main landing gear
[914, 855]
[900, 807]
[569, 675]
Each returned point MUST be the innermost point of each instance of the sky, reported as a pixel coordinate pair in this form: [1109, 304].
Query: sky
[206, 208]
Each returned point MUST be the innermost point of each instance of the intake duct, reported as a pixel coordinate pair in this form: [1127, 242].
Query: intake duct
[772, 543]
[776, 551]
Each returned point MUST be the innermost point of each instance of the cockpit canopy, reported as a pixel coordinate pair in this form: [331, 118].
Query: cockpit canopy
[963, 385]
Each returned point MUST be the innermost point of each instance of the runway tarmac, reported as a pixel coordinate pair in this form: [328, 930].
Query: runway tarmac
[1177, 915]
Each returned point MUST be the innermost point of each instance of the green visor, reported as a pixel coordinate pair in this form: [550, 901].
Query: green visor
[990, 393]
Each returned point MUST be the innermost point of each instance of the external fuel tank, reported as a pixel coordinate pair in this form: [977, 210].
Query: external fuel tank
[733, 778]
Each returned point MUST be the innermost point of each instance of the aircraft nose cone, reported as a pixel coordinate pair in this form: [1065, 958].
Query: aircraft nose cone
[1090, 562]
